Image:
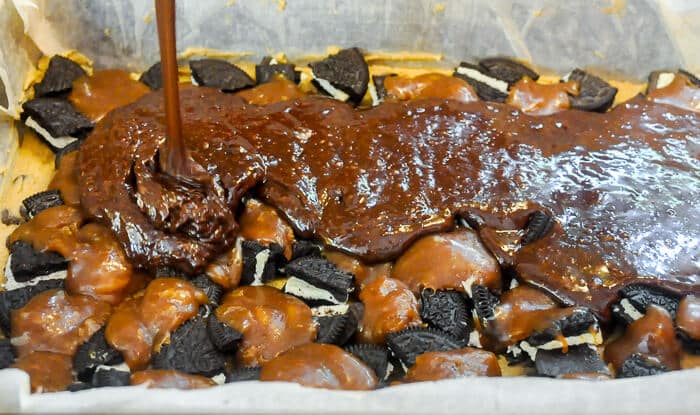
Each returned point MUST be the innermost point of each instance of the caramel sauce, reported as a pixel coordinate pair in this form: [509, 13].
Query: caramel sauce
[54, 321]
[453, 260]
[364, 274]
[171, 379]
[271, 322]
[52, 229]
[277, 90]
[453, 364]
[688, 317]
[48, 372]
[680, 93]
[429, 85]
[103, 91]
[522, 310]
[653, 335]
[409, 168]
[390, 306]
[541, 99]
[140, 325]
[226, 269]
[66, 179]
[320, 366]
[260, 222]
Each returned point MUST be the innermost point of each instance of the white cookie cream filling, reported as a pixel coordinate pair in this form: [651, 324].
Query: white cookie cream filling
[58, 142]
[664, 79]
[331, 90]
[300, 288]
[260, 262]
[494, 83]
[330, 310]
[630, 310]
[11, 283]
[585, 338]
[373, 93]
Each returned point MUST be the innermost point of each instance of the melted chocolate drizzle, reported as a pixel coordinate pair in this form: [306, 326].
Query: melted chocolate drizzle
[622, 185]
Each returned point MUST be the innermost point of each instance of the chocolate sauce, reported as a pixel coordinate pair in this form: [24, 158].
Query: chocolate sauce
[621, 185]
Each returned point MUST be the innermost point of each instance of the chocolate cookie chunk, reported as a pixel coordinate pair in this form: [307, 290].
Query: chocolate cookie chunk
[58, 78]
[260, 262]
[105, 377]
[447, 311]
[578, 359]
[409, 343]
[317, 281]
[243, 374]
[224, 337]
[487, 86]
[152, 77]
[40, 201]
[343, 76]
[507, 70]
[376, 356]
[27, 263]
[337, 327]
[537, 227]
[7, 353]
[641, 365]
[269, 68]
[94, 353]
[56, 121]
[220, 74]
[594, 94]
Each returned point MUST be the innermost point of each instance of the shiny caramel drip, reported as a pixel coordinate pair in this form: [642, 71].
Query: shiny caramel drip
[103, 91]
[453, 364]
[688, 317]
[320, 366]
[55, 321]
[652, 335]
[541, 99]
[271, 322]
[226, 269]
[66, 179]
[261, 223]
[453, 260]
[429, 85]
[52, 229]
[390, 306]
[48, 372]
[170, 379]
[680, 93]
[278, 90]
[364, 274]
[139, 326]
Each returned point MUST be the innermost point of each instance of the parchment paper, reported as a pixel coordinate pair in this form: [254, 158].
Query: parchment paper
[624, 39]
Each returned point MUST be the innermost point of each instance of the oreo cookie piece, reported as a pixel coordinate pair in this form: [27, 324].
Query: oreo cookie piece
[7, 353]
[59, 77]
[485, 303]
[269, 68]
[105, 376]
[26, 264]
[578, 359]
[636, 298]
[152, 77]
[94, 353]
[40, 201]
[219, 74]
[487, 86]
[447, 311]
[56, 121]
[260, 262]
[539, 224]
[213, 290]
[74, 146]
[243, 374]
[377, 90]
[343, 76]
[641, 365]
[78, 386]
[317, 281]
[579, 327]
[303, 247]
[594, 94]
[18, 298]
[407, 344]
[507, 70]
[337, 324]
[376, 356]
[224, 337]
[191, 350]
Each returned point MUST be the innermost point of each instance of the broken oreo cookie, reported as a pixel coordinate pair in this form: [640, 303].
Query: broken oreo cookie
[152, 77]
[220, 74]
[539, 224]
[641, 365]
[243, 374]
[213, 290]
[343, 76]
[105, 377]
[487, 86]
[74, 146]
[507, 70]
[303, 247]
[7, 353]
[636, 298]
[578, 359]
[376, 356]
[594, 94]
[58, 78]
[56, 121]
[377, 90]
[25, 263]
[94, 353]
[407, 344]
[224, 337]
[18, 298]
[446, 310]
[260, 262]
[578, 327]
[78, 386]
[485, 303]
[191, 350]
[40, 201]
[337, 324]
[317, 281]
[269, 68]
